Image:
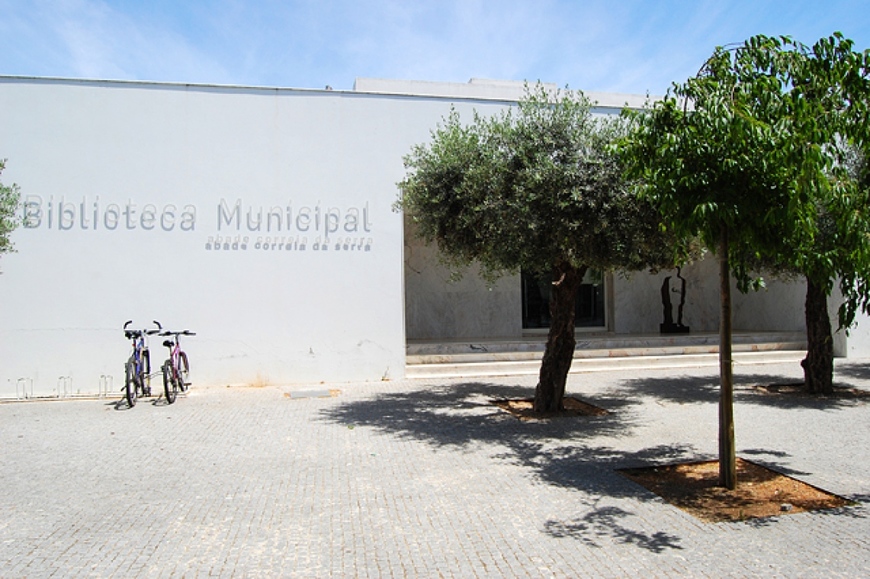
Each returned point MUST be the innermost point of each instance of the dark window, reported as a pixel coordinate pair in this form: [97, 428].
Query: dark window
[588, 304]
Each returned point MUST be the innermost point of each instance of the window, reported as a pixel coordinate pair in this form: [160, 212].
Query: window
[588, 304]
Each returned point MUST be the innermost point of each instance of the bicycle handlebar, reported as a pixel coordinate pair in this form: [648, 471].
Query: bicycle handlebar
[181, 333]
[130, 334]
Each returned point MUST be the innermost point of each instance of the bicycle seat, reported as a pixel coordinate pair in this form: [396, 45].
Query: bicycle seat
[168, 343]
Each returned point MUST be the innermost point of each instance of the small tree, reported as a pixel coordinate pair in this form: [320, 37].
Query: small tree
[838, 252]
[535, 188]
[829, 85]
[855, 281]
[746, 155]
[9, 199]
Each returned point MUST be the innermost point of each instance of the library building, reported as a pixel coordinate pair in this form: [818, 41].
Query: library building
[263, 219]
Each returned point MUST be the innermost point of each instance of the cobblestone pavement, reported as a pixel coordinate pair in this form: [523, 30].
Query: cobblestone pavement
[422, 479]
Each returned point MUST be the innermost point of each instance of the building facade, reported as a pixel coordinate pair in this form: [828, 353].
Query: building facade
[263, 219]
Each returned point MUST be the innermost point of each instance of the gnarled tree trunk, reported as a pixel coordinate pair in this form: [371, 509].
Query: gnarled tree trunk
[819, 363]
[560, 341]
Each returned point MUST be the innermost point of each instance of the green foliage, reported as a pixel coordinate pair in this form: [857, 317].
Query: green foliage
[9, 199]
[530, 188]
[855, 238]
[760, 141]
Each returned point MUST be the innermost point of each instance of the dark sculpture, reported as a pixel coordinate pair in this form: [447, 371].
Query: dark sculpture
[668, 326]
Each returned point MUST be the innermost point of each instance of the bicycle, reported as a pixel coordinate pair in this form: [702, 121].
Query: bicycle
[137, 369]
[176, 368]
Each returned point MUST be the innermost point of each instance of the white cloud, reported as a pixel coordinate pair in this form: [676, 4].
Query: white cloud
[91, 39]
[600, 45]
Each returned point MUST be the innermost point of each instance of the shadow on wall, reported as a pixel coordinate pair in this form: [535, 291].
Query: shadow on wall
[437, 307]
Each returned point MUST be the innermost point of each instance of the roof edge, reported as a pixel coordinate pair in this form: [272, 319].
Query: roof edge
[486, 89]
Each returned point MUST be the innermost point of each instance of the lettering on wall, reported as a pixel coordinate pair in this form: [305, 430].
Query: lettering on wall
[239, 226]
[328, 220]
[288, 228]
[287, 243]
[64, 215]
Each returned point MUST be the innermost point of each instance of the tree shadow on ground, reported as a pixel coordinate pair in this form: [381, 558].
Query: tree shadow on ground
[463, 413]
[748, 389]
[604, 522]
[558, 451]
[570, 452]
[855, 370]
[772, 459]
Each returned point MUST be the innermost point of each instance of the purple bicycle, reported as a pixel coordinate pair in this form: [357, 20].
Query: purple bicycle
[176, 368]
[137, 370]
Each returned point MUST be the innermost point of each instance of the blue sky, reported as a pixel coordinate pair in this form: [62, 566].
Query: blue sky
[629, 46]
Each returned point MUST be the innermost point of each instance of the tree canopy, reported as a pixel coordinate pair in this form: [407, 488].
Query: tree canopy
[748, 154]
[537, 188]
[530, 187]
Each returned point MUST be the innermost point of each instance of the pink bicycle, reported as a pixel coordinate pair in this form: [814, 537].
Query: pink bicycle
[176, 368]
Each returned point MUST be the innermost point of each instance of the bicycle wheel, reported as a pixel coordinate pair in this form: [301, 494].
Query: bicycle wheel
[130, 382]
[170, 383]
[183, 372]
[145, 377]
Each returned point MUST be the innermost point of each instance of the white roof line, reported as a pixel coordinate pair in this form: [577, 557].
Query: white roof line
[474, 89]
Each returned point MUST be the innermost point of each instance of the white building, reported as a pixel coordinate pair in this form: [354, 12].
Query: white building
[262, 219]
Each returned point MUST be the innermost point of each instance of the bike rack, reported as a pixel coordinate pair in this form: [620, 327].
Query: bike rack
[21, 386]
[64, 386]
[106, 383]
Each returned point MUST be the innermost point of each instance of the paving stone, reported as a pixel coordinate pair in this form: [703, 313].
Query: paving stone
[422, 478]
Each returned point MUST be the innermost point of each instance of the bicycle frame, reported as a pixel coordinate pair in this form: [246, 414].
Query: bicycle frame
[176, 367]
[138, 368]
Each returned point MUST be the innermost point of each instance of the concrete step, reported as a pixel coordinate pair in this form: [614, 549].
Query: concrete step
[580, 365]
[598, 353]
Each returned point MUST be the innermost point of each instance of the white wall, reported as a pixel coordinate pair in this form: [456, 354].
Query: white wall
[857, 344]
[129, 187]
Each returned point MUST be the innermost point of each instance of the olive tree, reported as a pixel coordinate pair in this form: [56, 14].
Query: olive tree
[9, 199]
[534, 188]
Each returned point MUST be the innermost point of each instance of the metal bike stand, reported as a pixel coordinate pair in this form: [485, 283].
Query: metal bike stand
[21, 388]
[64, 386]
[106, 383]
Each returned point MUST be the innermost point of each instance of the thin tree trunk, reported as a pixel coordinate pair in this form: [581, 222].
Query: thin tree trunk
[560, 340]
[819, 363]
[727, 453]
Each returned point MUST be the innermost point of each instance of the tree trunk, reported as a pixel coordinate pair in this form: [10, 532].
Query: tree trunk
[819, 363]
[727, 454]
[560, 341]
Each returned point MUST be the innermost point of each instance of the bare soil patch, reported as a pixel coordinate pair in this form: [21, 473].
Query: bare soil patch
[797, 390]
[523, 408]
[761, 492]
